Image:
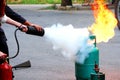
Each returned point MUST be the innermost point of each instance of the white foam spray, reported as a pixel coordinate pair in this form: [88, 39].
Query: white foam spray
[69, 40]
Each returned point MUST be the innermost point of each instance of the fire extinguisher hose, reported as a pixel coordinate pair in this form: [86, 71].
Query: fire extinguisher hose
[18, 48]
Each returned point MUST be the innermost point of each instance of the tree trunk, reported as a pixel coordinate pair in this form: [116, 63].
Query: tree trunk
[66, 3]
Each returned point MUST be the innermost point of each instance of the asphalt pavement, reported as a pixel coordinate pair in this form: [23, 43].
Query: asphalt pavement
[47, 64]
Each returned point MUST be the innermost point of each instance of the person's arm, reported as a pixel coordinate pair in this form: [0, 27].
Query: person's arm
[15, 16]
[8, 20]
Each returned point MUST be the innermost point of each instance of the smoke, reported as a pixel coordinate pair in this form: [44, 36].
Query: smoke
[73, 42]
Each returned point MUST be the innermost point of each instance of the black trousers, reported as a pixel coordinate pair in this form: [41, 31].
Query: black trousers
[3, 43]
[4, 47]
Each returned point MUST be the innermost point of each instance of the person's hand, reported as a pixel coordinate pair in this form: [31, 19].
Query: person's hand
[23, 28]
[38, 27]
[2, 55]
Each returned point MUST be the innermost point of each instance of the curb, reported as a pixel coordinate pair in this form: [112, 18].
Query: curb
[29, 6]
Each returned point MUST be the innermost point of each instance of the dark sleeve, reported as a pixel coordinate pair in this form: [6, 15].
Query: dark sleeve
[13, 15]
[113, 1]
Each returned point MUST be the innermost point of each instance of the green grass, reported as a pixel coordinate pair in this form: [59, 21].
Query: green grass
[35, 2]
[40, 1]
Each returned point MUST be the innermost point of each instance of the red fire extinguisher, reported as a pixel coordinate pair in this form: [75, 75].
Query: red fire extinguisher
[5, 68]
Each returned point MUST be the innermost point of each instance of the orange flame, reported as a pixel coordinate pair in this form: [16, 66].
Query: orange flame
[105, 22]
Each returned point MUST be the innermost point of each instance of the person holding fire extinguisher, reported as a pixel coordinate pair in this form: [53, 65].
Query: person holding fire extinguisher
[7, 15]
[5, 19]
[5, 68]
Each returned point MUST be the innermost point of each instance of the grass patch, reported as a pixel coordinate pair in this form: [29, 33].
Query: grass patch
[46, 1]
[34, 1]
[39, 1]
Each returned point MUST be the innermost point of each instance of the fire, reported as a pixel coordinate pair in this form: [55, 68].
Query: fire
[105, 22]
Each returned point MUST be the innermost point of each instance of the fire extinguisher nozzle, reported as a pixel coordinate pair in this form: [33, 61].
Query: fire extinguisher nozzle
[34, 31]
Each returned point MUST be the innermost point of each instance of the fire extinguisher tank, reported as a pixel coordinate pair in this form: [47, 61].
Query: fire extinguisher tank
[5, 71]
[83, 71]
[5, 68]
